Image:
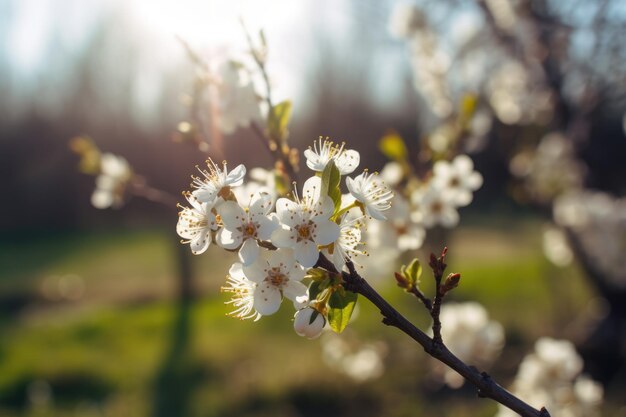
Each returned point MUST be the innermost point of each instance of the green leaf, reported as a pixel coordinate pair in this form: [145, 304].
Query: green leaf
[277, 121]
[468, 106]
[393, 147]
[412, 273]
[331, 180]
[340, 307]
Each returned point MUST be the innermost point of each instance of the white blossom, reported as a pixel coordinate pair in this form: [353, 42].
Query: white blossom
[392, 173]
[433, 207]
[457, 179]
[306, 223]
[556, 248]
[242, 291]
[309, 323]
[598, 221]
[349, 244]
[469, 333]
[238, 104]
[372, 193]
[346, 160]
[243, 228]
[551, 169]
[195, 224]
[550, 377]
[115, 173]
[276, 276]
[357, 360]
[216, 182]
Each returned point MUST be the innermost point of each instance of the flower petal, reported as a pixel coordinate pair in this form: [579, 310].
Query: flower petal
[235, 177]
[267, 299]
[266, 226]
[287, 212]
[256, 272]
[375, 214]
[294, 290]
[232, 214]
[249, 252]
[348, 161]
[306, 253]
[326, 232]
[283, 237]
[200, 243]
[228, 239]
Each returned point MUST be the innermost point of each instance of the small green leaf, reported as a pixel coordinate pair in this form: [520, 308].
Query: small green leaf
[331, 180]
[412, 273]
[393, 147]
[277, 121]
[340, 307]
[468, 105]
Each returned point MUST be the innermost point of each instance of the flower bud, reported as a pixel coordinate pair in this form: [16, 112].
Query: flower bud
[309, 323]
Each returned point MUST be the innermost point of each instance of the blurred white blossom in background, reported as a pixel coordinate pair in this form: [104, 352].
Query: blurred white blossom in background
[469, 333]
[550, 377]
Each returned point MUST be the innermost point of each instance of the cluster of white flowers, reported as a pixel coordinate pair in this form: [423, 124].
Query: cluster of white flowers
[237, 101]
[598, 221]
[430, 63]
[416, 208]
[359, 361]
[115, 173]
[469, 333]
[549, 170]
[278, 241]
[550, 377]
[515, 98]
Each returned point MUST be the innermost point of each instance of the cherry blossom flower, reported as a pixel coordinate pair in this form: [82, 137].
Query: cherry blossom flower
[115, 173]
[372, 193]
[305, 223]
[277, 276]
[238, 103]
[434, 207]
[349, 244]
[346, 160]
[243, 294]
[360, 361]
[309, 323]
[457, 179]
[550, 377]
[243, 227]
[196, 223]
[216, 182]
[469, 333]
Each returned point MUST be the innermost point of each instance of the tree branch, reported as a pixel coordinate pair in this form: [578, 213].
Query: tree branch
[484, 384]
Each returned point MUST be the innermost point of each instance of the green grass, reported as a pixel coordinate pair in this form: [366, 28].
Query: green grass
[125, 347]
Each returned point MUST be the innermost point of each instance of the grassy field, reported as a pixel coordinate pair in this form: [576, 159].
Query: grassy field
[90, 326]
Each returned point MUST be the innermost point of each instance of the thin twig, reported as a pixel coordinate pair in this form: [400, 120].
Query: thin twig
[438, 265]
[420, 296]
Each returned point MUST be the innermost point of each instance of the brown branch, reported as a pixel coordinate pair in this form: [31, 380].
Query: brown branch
[486, 386]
